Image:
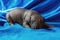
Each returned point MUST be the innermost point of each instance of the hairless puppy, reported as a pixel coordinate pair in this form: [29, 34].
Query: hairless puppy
[26, 18]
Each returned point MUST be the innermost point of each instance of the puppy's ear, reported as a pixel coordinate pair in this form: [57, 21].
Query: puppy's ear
[11, 23]
[9, 19]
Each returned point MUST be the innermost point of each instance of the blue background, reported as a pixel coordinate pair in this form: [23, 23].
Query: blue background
[49, 9]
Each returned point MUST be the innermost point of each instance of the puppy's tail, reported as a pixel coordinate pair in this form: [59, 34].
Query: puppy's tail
[46, 26]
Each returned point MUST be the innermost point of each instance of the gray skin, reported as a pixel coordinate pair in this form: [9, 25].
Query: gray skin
[26, 18]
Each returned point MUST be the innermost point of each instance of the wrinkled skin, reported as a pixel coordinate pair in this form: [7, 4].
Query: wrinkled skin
[26, 18]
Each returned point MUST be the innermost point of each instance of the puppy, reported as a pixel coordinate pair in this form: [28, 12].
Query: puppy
[26, 18]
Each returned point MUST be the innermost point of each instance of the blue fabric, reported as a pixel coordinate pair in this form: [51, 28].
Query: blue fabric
[49, 9]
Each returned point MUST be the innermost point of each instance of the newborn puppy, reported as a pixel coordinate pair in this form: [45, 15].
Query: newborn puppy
[26, 18]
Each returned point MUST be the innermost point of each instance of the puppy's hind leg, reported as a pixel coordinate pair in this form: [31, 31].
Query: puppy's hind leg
[25, 24]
